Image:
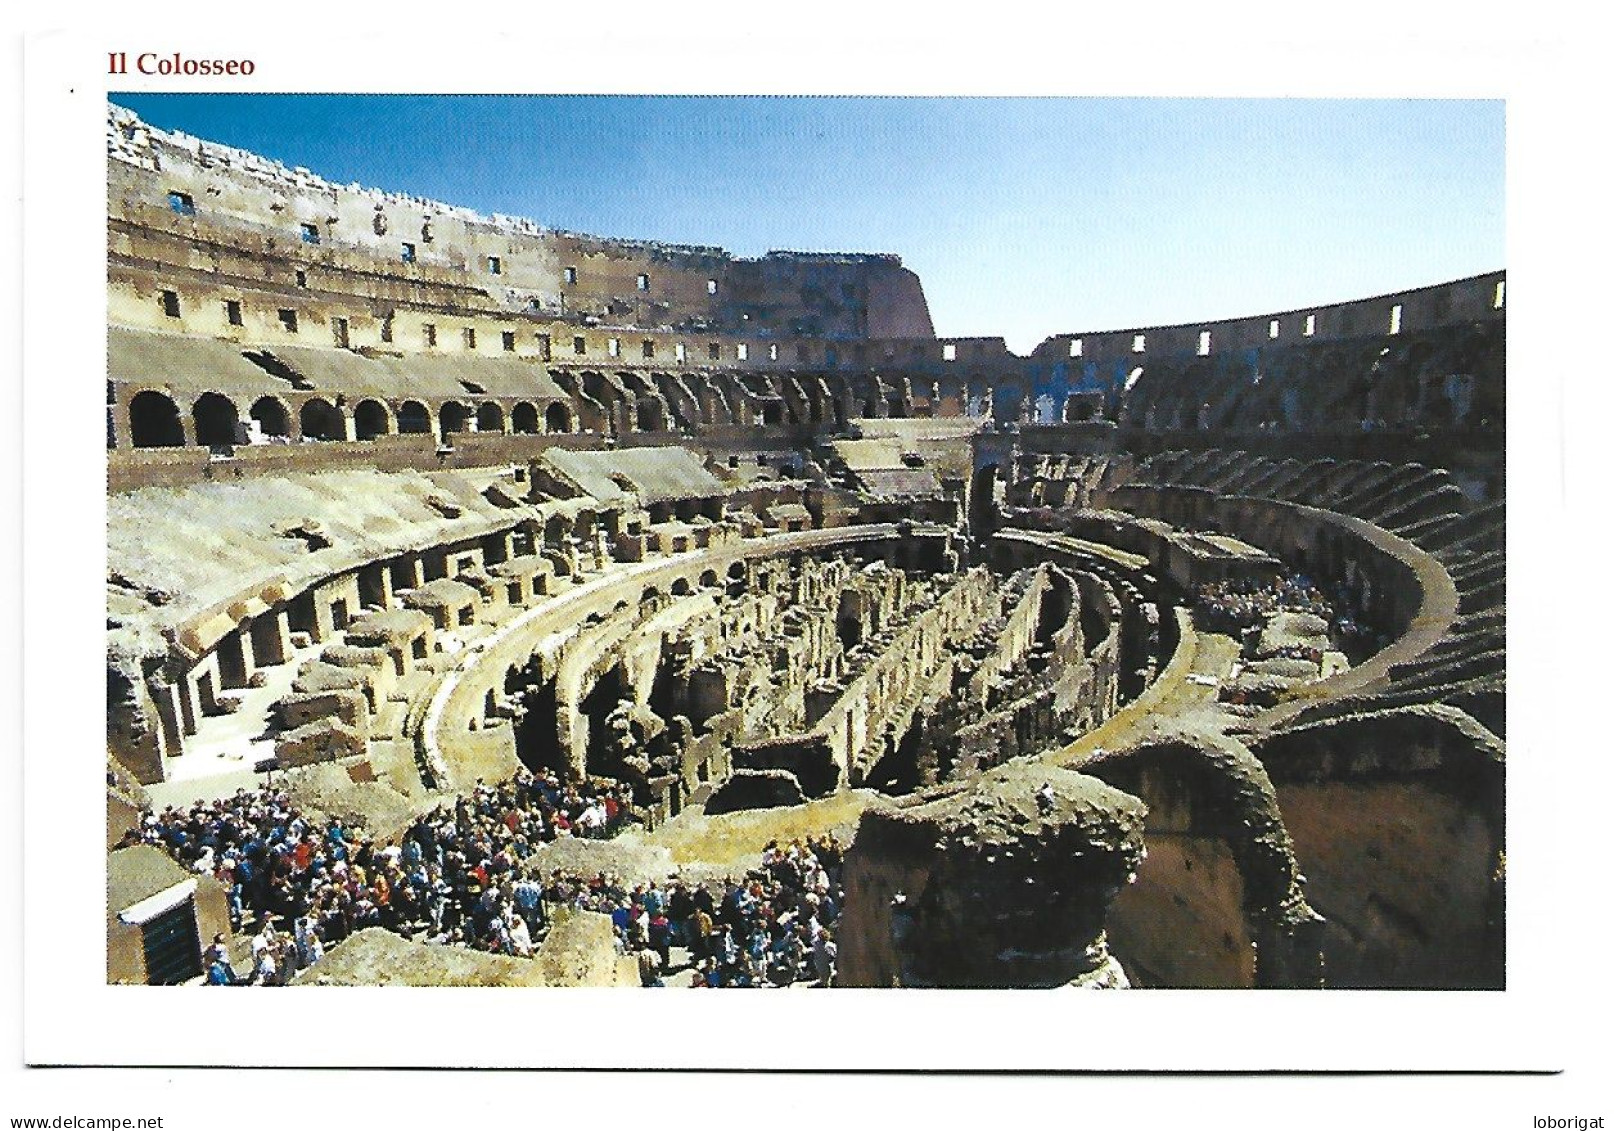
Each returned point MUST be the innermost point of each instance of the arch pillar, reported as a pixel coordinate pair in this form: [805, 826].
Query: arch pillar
[122, 426]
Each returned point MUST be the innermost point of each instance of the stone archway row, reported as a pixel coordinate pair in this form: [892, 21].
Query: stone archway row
[155, 418]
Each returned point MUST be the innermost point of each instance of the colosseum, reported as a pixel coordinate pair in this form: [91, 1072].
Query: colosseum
[489, 604]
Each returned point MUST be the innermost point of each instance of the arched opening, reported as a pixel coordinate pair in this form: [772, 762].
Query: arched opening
[1078, 409]
[369, 420]
[555, 532]
[490, 418]
[557, 418]
[595, 709]
[321, 421]
[451, 419]
[773, 413]
[524, 419]
[537, 728]
[154, 422]
[680, 587]
[216, 421]
[649, 415]
[270, 415]
[413, 418]
[583, 526]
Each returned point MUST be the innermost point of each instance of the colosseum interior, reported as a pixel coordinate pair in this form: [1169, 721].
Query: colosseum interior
[1161, 656]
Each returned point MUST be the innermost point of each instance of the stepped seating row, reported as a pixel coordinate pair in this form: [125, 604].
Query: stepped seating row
[1425, 506]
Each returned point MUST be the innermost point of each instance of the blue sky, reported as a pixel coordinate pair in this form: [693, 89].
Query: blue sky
[1024, 217]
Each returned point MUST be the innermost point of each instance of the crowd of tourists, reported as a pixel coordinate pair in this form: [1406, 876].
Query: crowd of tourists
[774, 927]
[1239, 608]
[1233, 606]
[464, 875]
[460, 875]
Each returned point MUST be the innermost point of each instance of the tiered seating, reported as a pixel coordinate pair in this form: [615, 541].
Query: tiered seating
[1425, 506]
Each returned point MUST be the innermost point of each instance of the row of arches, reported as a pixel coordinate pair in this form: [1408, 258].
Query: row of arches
[156, 421]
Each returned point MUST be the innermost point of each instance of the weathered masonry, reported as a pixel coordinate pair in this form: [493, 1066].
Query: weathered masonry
[1159, 656]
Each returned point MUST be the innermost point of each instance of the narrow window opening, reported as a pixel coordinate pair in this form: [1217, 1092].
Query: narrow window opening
[579, 346]
[711, 286]
[543, 346]
[494, 266]
[1204, 343]
[1139, 343]
[1311, 325]
[614, 347]
[386, 327]
[339, 332]
[571, 276]
[643, 282]
[679, 352]
[171, 303]
[1272, 328]
[950, 352]
[310, 233]
[182, 203]
[509, 337]
[648, 348]
[428, 333]
[742, 351]
[469, 334]
[1395, 319]
[288, 319]
[1501, 295]
[232, 312]
[773, 351]
[1075, 347]
[408, 253]
[713, 351]
[302, 279]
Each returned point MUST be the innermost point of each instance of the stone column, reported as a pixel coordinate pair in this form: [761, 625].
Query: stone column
[416, 569]
[121, 437]
[190, 708]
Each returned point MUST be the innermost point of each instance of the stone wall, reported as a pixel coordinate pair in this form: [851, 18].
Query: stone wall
[1001, 883]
